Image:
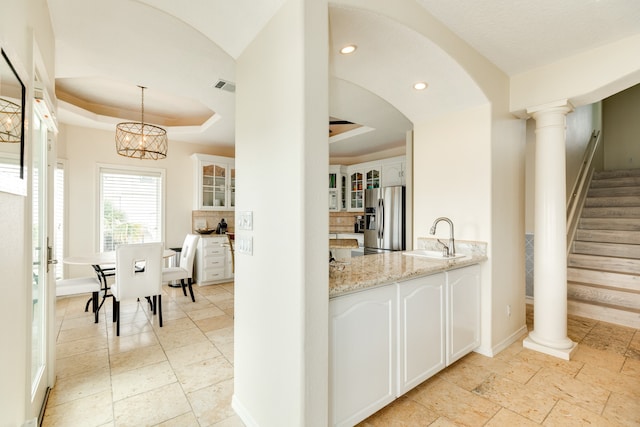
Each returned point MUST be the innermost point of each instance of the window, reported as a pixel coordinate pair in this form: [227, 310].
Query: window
[59, 217]
[131, 206]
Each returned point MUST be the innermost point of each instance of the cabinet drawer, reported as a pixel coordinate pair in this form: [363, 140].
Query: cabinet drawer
[213, 251]
[213, 274]
[213, 262]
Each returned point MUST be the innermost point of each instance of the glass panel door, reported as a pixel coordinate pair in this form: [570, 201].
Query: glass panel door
[41, 302]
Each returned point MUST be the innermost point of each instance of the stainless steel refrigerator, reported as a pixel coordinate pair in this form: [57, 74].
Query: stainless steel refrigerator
[384, 213]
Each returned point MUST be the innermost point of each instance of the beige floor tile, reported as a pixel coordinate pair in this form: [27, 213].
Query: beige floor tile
[85, 320]
[80, 346]
[174, 325]
[523, 400]
[214, 323]
[134, 359]
[633, 351]
[623, 409]
[143, 379]
[600, 358]
[221, 336]
[211, 311]
[579, 327]
[574, 391]
[233, 421]
[80, 363]
[184, 420]
[131, 342]
[196, 376]
[605, 336]
[443, 422]
[402, 412]
[93, 410]
[227, 351]
[454, 403]
[79, 386]
[505, 417]
[631, 367]
[152, 407]
[540, 360]
[225, 305]
[212, 404]
[83, 331]
[612, 381]
[181, 338]
[220, 297]
[564, 414]
[465, 375]
[192, 353]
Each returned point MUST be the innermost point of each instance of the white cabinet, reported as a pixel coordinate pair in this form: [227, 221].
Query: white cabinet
[385, 341]
[421, 312]
[213, 263]
[337, 188]
[214, 182]
[362, 349]
[463, 312]
[361, 177]
[393, 171]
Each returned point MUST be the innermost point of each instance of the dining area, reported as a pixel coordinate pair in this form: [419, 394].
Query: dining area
[133, 271]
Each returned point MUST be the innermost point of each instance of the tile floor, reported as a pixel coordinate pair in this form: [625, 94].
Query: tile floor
[177, 375]
[182, 374]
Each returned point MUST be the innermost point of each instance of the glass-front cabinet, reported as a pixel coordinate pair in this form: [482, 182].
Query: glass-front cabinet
[215, 184]
[362, 177]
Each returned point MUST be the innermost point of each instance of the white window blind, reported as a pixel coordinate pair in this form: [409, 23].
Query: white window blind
[131, 206]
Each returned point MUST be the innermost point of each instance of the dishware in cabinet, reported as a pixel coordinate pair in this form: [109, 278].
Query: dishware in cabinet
[215, 185]
[361, 177]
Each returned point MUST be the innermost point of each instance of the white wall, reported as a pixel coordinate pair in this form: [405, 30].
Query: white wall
[84, 148]
[622, 129]
[281, 291]
[22, 24]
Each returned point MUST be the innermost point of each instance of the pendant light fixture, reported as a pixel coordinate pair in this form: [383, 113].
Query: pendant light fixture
[10, 121]
[141, 140]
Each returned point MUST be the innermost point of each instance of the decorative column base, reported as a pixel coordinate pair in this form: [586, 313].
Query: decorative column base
[560, 353]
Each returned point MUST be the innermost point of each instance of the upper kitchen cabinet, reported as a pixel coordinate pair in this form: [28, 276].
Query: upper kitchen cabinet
[361, 177]
[393, 171]
[337, 188]
[214, 182]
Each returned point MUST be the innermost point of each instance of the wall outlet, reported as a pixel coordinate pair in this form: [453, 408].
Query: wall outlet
[508, 311]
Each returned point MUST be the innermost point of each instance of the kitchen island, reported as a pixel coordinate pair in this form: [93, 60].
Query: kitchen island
[396, 320]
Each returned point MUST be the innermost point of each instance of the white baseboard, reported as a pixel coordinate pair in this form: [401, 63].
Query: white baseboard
[242, 412]
[491, 352]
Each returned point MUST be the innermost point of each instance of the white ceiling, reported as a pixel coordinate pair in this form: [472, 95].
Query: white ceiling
[105, 49]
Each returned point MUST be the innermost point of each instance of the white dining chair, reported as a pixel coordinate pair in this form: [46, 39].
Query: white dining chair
[135, 282]
[184, 270]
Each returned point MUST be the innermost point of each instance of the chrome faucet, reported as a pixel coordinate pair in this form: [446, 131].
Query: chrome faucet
[447, 250]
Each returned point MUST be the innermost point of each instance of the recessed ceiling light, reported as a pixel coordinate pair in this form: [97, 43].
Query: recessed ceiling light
[420, 86]
[350, 48]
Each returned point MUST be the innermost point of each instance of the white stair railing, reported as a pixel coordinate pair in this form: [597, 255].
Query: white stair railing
[578, 193]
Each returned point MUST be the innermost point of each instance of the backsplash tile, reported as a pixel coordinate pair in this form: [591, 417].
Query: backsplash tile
[342, 222]
[212, 218]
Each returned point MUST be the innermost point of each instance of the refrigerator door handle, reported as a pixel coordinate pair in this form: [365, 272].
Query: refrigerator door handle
[381, 222]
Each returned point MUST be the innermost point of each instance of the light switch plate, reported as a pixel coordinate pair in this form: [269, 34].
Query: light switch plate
[245, 220]
[244, 245]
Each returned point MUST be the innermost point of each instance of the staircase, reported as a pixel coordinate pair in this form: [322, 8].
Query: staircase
[603, 274]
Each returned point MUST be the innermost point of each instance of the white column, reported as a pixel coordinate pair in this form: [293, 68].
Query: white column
[549, 333]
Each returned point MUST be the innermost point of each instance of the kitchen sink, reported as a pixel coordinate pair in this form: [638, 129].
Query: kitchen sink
[423, 253]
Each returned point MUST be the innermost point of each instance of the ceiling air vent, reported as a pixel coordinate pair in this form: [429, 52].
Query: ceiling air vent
[225, 85]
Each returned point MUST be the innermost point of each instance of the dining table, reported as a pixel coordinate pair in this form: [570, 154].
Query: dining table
[104, 265]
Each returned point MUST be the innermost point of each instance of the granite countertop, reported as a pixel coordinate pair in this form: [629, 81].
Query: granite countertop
[380, 269]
